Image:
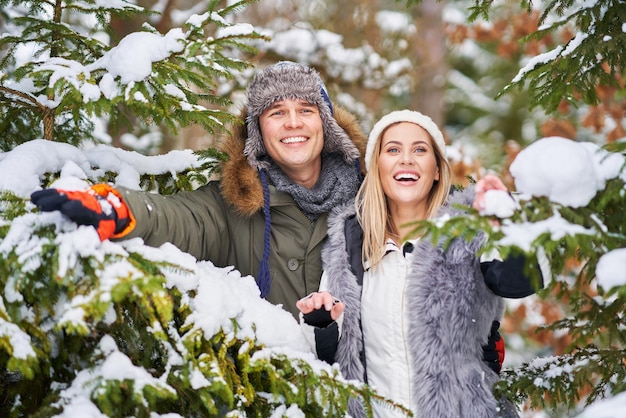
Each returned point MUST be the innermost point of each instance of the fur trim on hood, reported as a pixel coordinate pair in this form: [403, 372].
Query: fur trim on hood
[240, 183]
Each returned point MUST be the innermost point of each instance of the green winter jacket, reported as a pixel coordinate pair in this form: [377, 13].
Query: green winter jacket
[204, 225]
[223, 222]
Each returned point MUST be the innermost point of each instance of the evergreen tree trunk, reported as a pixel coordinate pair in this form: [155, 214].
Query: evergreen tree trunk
[48, 123]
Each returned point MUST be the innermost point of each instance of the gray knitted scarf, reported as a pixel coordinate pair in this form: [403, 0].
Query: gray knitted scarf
[338, 184]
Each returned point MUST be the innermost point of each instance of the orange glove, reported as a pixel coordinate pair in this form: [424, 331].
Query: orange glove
[100, 206]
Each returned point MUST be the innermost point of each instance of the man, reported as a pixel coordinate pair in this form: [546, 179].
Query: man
[294, 158]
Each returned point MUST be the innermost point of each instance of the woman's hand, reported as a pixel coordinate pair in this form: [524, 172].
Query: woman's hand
[484, 185]
[319, 300]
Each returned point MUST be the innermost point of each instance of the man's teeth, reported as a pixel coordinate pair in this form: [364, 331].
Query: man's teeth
[406, 176]
[293, 140]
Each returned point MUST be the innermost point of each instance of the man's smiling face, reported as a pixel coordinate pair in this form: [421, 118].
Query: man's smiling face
[293, 135]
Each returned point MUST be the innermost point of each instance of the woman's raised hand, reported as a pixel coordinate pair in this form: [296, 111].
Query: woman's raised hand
[319, 300]
[484, 185]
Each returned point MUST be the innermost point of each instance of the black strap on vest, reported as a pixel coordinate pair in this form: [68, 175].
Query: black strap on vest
[354, 247]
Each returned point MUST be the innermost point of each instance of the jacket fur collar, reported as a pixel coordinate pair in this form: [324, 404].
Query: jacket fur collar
[240, 183]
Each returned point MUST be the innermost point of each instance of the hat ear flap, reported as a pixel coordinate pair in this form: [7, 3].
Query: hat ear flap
[254, 148]
[336, 140]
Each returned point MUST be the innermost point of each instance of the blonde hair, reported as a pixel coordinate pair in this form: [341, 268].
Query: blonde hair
[372, 209]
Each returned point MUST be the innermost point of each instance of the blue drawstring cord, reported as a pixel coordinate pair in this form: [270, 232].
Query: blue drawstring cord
[264, 280]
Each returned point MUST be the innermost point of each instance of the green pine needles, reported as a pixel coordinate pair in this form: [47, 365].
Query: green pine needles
[594, 317]
[131, 331]
[147, 80]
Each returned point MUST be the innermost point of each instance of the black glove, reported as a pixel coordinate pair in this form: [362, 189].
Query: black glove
[326, 334]
[318, 318]
[493, 351]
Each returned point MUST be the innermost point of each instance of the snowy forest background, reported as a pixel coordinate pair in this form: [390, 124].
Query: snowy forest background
[125, 92]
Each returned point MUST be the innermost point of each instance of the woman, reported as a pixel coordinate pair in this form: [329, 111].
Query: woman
[414, 315]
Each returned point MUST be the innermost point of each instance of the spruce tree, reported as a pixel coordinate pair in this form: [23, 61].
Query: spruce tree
[72, 76]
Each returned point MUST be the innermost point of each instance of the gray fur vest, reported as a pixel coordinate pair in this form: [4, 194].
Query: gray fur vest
[450, 310]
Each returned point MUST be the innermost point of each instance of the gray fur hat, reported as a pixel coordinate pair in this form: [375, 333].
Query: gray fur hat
[289, 80]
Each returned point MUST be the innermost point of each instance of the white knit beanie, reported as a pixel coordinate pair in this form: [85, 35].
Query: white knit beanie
[403, 116]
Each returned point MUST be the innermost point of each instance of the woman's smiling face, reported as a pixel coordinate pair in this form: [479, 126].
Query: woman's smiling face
[407, 165]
